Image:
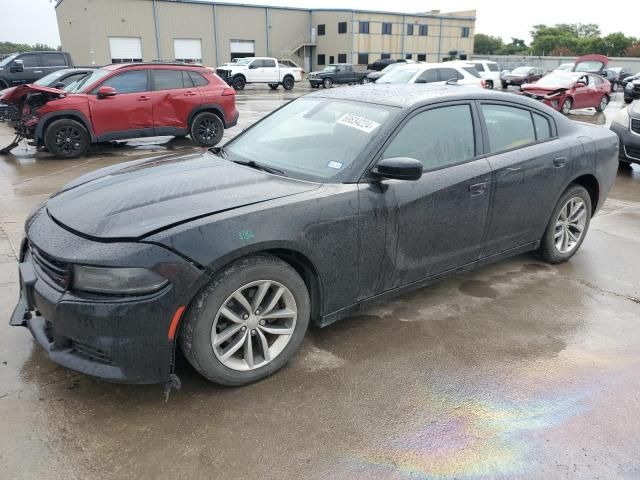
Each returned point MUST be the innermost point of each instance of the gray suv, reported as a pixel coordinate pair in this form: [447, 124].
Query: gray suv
[28, 67]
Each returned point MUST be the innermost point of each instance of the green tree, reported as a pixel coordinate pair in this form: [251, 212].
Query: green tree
[10, 47]
[486, 44]
[517, 46]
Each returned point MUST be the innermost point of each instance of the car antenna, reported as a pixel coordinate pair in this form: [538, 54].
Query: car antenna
[452, 81]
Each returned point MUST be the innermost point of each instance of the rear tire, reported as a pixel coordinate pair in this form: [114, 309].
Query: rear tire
[628, 99]
[288, 83]
[568, 224]
[490, 84]
[504, 85]
[66, 138]
[209, 332]
[206, 129]
[603, 103]
[238, 83]
[273, 86]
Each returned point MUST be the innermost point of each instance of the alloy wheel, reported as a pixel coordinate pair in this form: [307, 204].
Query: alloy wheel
[206, 130]
[603, 103]
[570, 225]
[566, 106]
[69, 140]
[254, 325]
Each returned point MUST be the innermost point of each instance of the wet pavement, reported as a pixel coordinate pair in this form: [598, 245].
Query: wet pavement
[517, 370]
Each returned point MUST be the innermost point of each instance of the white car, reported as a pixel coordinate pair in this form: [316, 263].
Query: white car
[438, 73]
[259, 70]
[489, 71]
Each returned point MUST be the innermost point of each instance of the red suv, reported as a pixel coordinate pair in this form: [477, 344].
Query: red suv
[125, 101]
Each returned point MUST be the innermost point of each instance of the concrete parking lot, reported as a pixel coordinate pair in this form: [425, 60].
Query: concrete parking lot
[517, 370]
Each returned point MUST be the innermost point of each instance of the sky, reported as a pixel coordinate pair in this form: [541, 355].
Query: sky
[34, 21]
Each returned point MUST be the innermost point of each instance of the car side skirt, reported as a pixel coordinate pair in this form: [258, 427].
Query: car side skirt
[330, 318]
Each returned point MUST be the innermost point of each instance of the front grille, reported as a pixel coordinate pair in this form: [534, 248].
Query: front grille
[53, 269]
[222, 73]
[91, 353]
[635, 125]
[9, 113]
[632, 152]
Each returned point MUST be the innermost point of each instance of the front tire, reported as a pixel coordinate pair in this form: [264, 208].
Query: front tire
[67, 138]
[288, 83]
[238, 83]
[206, 129]
[364, 81]
[566, 106]
[327, 83]
[567, 226]
[504, 85]
[248, 322]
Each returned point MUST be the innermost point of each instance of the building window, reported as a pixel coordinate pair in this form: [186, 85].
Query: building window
[332, 59]
[410, 29]
[364, 27]
[424, 30]
[321, 29]
[386, 29]
[422, 57]
[363, 59]
[321, 59]
[408, 56]
[465, 32]
[342, 27]
[384, 56]
[342, 58]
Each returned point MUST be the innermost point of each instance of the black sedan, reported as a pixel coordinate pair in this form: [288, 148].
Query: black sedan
[339, 198]
[626, 124]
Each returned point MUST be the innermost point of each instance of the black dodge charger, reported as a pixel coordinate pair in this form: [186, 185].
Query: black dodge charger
[337, 199]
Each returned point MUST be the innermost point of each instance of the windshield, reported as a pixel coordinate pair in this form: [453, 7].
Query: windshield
[49, 79]
[330, 68]
[243, 61]
[392, 66]
[400, 75]
[79, 85]
[589, 66]
[311, 138]
[521, 70]
[558, 80]
[8, 60]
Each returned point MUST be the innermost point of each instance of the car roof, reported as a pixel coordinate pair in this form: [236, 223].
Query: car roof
[118, 66]
[409, 95]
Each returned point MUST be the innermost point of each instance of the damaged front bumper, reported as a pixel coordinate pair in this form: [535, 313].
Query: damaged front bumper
[118, 339]
[554, 100]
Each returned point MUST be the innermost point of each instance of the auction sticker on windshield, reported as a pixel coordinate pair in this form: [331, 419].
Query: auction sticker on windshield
[361, 123]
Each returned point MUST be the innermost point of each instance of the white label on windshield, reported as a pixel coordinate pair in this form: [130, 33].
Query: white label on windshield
[336, 165]
[361, 123]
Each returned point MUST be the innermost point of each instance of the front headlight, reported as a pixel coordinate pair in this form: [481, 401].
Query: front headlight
[622, 118]
[127, 281]
[629, 86]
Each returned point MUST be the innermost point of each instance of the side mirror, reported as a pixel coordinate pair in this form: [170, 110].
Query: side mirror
[106, 92]
[17, 66]
[59, 85]
[253, 66]
[580, 84]
[400, 168]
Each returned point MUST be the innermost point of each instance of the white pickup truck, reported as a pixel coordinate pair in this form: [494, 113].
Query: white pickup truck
[259, 70]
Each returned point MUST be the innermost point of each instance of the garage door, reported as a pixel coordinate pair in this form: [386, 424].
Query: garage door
[125, 49]
[188, 50]
[242, 48]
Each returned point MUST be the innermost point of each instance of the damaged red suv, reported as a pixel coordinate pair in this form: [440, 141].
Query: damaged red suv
[124, 101]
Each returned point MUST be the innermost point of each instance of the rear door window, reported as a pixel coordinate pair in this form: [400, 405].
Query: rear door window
[543, 129]
[197, 79]
[269, 63]
[53, 60]
[167, 79]
[508, 127]
[493, 67]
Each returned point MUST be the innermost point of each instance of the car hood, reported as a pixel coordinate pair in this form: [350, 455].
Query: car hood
[135, 199]
[538, 90]
[634, 109]
[15, 94]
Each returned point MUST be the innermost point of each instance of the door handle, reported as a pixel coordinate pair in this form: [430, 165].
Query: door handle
[559, 161]
[143, 98]
[477, 189]
[37, 71]
[190, 94]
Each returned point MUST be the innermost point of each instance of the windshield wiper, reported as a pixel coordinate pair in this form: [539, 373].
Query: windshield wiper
[259, 166]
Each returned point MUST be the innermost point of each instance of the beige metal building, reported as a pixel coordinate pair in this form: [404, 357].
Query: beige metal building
[98, 32]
